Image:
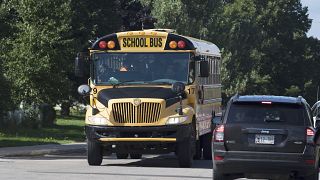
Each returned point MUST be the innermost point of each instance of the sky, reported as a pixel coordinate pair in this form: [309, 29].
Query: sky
[314, 13]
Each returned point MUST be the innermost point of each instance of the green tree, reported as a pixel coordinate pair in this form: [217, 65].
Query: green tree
[312, 59]
[264, 46]
[6, 31]
[90, 20]
[196, 18]
[39, 60]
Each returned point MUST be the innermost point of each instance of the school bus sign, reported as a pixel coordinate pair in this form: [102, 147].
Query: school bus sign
[148, 42]
[141, 42]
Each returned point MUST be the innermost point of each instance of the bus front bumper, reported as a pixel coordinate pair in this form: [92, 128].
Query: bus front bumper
[141, 134]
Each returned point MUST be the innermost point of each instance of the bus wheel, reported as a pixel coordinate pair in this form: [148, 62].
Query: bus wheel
[94, 153]
[186, 150]
[198, 152]
[135, 156]
[122, 155]
[207, 154]
[185, 155]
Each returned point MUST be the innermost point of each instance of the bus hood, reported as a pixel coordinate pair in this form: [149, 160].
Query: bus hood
[138, 92]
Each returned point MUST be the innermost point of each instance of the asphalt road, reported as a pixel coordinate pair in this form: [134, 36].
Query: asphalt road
[74, 166]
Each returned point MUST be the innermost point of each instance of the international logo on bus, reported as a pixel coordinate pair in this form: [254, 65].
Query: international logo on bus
[136, 102]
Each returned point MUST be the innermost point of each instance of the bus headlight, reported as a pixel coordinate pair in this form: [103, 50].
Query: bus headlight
[97, 120]
[177, 120]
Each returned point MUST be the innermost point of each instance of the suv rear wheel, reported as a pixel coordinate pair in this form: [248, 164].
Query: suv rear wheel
[314, 176]
[219, 176]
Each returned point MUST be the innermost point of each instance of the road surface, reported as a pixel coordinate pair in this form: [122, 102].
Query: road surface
[75, 167]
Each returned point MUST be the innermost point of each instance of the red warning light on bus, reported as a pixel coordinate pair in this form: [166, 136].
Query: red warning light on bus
[102, 44]
[181, 44]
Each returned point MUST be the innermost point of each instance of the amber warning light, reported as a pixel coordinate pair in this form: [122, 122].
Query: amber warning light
[180, 45]
[173, 44]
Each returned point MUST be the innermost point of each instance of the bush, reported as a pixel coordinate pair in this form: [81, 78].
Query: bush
[31, 116]
[47, 115]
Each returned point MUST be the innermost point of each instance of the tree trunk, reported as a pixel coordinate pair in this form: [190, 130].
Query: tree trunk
[65, 109]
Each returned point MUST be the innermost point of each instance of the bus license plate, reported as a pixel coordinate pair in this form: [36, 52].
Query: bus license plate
[264, 139]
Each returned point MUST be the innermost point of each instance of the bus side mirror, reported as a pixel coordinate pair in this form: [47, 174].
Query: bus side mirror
[204, 69]
[84, 90]
[81, 65]
[178, 87]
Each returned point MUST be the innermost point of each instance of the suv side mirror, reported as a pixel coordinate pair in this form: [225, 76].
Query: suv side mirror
[204, 69]
[317, 123]
[81, 65]
[217, 120]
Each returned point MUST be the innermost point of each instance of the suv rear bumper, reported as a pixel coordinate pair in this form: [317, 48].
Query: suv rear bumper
[245, 162]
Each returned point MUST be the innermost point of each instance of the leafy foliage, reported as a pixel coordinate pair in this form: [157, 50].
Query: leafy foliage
[39, 59]
[264, 44]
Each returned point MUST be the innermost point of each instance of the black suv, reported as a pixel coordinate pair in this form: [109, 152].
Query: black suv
[265, 137]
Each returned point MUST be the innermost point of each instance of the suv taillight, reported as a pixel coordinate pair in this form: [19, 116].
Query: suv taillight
[218, 134]
[310, 135]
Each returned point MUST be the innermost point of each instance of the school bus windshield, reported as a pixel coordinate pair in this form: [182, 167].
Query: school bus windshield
[136, 68]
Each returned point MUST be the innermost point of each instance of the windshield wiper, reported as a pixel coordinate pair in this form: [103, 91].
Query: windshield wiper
[273, 120]
[162, 81]
[165, 83]
[128, 81]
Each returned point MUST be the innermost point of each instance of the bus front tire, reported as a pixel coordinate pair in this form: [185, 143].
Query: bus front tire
[94, 153]
[185, 155]
[135, 156]
[122, 155]
[198, 153]
[207, 152]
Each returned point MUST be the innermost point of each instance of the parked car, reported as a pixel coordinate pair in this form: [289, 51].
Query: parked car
[265, 137]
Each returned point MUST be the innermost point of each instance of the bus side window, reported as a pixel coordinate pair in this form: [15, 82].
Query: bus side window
[191, 72]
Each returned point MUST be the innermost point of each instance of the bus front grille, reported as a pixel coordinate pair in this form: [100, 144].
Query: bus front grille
[128, 113]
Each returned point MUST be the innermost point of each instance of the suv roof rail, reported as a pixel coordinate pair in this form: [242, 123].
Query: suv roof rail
[235, 97]
[300, 99]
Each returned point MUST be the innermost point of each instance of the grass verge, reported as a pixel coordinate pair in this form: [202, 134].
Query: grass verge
[66, 130]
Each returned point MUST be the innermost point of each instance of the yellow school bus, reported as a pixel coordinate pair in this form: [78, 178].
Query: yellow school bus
[151, 92]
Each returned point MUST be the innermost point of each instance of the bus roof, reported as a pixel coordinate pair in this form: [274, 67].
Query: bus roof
[200, 46]
[204, 47]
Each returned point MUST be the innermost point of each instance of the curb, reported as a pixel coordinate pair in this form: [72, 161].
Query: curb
[42, 149]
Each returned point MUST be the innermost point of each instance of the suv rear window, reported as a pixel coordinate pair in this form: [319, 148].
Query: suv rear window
[258, 113]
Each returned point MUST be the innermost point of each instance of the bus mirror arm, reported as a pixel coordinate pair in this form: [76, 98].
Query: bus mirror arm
[178, 88]
[94, 110]
[179, 110]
